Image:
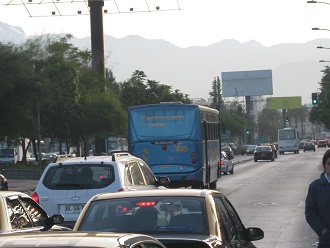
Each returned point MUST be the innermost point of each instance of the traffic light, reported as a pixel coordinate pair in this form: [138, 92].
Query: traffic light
[247, 131]
[286, 118]
[314, 98]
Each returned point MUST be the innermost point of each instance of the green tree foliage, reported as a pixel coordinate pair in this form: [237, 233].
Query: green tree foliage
[17, 94]
[268, 123]
[215, 94]
[233, 122]
[138, 90]
[320, 114]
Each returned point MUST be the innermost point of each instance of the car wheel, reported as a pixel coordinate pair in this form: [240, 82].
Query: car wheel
[314, 150]
[272, 159]
[255, 160]
[304, 150]
[213, 185]
[232, 170]
[226, 171]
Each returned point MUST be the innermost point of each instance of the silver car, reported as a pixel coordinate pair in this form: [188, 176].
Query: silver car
[227, 164]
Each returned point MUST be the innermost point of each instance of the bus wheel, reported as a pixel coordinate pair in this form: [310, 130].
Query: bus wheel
[213, 185]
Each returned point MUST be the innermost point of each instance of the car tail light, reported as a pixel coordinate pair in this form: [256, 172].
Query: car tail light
[222, 162]
[122, 189]
[35, 196]
[146, 204]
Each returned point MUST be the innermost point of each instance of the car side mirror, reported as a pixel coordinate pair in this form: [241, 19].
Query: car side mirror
[255, 233]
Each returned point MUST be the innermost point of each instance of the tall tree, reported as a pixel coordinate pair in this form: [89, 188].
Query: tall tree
[216, 93]
[320, 114]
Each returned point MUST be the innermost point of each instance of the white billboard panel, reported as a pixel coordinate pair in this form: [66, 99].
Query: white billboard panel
[247, 83]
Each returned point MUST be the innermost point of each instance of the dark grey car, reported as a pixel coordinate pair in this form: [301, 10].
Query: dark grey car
[309, 146]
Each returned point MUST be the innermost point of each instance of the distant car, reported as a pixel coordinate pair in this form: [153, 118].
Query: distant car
[48, 156]
[263, 153]
[309, 146]
[322, 143]
[250, 149]
[301, 144]
[176, 217]
[20, 213]
[79, 239]
[62, 157]
[243, 150]
[273, 149]
[66, 185]
[234, 147]
[227, 164]
[229, 151]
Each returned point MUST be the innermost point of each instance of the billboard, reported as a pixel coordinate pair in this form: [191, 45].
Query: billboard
[247, 83]
[290, 102]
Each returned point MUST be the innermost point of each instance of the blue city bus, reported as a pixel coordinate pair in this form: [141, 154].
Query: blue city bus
[180, 141]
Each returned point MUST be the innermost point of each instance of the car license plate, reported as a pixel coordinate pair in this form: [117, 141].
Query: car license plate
[263, 154]
[73, 209]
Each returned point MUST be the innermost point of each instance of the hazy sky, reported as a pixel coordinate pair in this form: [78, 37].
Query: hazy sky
[199, 22]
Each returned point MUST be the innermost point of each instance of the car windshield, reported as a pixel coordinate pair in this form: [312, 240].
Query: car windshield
[147, 215]
[263, 148]
[225, 148]
[77, 176]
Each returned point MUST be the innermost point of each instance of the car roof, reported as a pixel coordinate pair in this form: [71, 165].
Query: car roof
[115, 157]
[163, 192]
[72, 239]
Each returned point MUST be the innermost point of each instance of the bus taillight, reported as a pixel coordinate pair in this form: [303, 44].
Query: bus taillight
[164, 148]
[193, 155]
[194, 161]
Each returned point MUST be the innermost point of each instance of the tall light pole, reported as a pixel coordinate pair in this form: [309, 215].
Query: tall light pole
[325, 29]
[317, 2]
[39, 130]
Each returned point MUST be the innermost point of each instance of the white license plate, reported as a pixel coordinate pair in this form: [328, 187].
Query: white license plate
[73, 209]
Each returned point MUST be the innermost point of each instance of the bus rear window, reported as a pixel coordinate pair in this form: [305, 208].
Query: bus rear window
[164, 123]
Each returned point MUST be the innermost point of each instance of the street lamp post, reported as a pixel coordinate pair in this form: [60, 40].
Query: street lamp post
[321, 29]
[318, 2]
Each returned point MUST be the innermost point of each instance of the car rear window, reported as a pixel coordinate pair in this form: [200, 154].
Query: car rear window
[78, 176]
[263, 149]
[147, 215]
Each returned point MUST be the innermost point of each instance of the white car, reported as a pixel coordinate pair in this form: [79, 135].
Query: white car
[227, 164]
[66, 185]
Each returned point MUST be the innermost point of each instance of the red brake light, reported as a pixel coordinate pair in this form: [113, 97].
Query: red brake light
[164, 148]
[35, 196]
[145, 204]
[222, 162]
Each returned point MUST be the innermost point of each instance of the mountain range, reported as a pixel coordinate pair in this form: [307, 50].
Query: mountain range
[296, 69]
